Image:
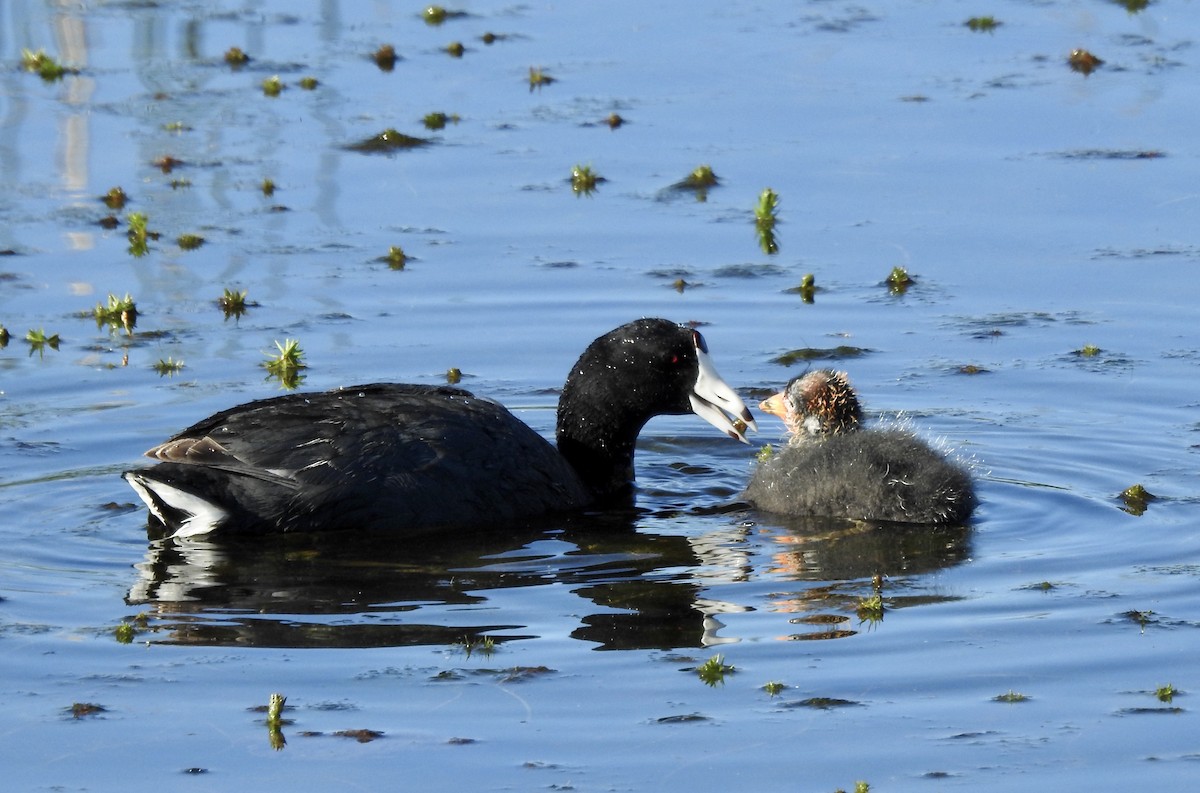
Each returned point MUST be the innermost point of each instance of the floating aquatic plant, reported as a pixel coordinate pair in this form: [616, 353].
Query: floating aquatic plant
[80, 709]
[1165, 693]
[236, 58]
[765, 453]
[614, 120]
[898, 280]
[453, 375]
[538, 78]
[1136, 499]
[870, 609]
[713, 671]
[385, 57]
[232, 303]
[387, 142]
[584, 180]
[1088, 351]
[4, 337]
[484, 645]
[309, 83]
[190, 242]
[396, 257]
[698, 181]
[275, 720]
[268, 187]
[118, 312]
[436, 15]
[139, 235]
[178, 183]
[765, 219]
[841, 352]
[176, 126]
[1083, 62]
[44, 65]
[436, 121]
[124, 633]
[982, 24]
[455, 49]
[286, 365]
[168, 367]
[1010, 696]
[115, 198]
[807, 288]
[774, 688]
[39, 341]
[272, 86]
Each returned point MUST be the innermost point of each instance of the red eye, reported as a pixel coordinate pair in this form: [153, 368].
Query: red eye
[674, 359]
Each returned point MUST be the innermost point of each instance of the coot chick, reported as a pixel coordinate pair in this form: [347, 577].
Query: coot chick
[411, 458]
[832, 467]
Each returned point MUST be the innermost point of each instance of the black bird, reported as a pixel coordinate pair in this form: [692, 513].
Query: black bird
[832, 467]
[412, 458]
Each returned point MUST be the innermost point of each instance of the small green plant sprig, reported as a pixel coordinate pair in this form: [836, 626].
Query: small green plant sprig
[870, 609]
[1136, 498]
[168, 367]
[807, 288]
[898, 280]
[139, 236]
[39, 341]
[236, 58]
[396, 258]
[275, 721]
[1011, 697]
[232, 303]
[119, 312]
[287, 364]
[982, 24]
[1166, 693]
[273, 86]
[584, 180]
[712, 672]
[765, 219]
[774, 688]
[44, 65]
[538, 78]
[268, 187]
[484, 645]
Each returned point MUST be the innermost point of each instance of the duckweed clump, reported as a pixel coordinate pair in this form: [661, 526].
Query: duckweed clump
[765, 219]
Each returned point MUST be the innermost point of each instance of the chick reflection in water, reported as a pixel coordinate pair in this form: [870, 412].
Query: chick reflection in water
[833, 467]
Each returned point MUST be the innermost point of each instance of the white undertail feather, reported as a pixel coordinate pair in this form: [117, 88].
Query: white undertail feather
[202, 516]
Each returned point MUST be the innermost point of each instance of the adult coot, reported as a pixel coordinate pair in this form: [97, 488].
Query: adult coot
[411, 458]
[832, 467]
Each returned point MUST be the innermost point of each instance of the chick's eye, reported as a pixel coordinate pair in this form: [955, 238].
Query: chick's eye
[674, 359]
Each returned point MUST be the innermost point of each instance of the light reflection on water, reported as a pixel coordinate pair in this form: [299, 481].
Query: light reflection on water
[1013, 193]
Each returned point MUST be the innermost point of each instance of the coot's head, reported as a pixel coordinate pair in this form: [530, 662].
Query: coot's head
[816, 404]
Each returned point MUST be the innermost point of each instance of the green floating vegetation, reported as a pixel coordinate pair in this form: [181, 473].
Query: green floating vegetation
[584, 180]
[236, 58]
[1011, 697]
[454, 375]
[118, 312]
[168, 367]
[287, 364]
[1083, 62]
[1136, 499]
[39, 341]
[124, 633]
[765, 453]
[167, 163]
[436, 15]
[765, 219]
[807, 288]
[538, 78]
[115, 198]
[385, 58]
[267, 186]
[712, 672]
[840, 352]
[190, 242]
[455, 49]
[309, 83]
[273, 86]
[4, 337]
[898, 280]
[870, 609]
[971, 368]
[396, 258]
[699, 181]
[79, 710]
[1166, 693]
[139, 236]
[439, 120]
[178, 183]
[982, 24]
[1087, 351]
[44, 66]
[275, 721]
[469, 645]
[387, 142]
[859, 787]
[774, 688]
[614, 120]
[232, 303]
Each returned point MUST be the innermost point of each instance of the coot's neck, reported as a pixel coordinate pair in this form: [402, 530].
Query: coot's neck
[598, 425]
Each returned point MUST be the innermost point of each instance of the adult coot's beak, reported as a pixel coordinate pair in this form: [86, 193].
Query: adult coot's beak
[714, 401]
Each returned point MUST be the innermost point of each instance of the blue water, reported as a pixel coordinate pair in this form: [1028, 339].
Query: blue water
[1040, 210]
